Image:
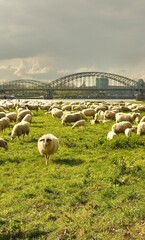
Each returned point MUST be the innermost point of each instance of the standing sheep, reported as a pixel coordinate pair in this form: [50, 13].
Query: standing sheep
[48, 145]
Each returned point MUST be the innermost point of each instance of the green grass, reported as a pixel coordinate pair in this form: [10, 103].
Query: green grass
[91, 188]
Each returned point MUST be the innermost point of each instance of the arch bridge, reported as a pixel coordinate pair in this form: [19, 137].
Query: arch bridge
[83, 84]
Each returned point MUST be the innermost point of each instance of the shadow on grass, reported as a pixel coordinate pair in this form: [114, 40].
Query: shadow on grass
[68, 161]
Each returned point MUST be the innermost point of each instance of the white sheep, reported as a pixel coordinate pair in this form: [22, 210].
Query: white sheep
[121, 126]
[141, 128]
[12, 116]
[57, 113]
[128, 131]
[48, 145]
[22, 128]
[130, 117]
[27, 118]
[3, 143]
[22, 114]
[79, 123]
[72, 117]
[89, 112]
[111, 135]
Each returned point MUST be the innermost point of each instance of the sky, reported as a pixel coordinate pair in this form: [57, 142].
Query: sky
[48, 39]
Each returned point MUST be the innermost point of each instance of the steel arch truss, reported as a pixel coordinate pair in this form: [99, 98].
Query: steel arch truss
[23, 83]
[60, 82]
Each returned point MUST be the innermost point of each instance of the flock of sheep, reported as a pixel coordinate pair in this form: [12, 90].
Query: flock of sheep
[125, 117]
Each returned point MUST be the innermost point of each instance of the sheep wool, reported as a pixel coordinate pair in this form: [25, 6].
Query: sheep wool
[48, 145]
[19, 129]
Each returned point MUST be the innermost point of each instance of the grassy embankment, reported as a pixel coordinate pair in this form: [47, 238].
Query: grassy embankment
[91, 189]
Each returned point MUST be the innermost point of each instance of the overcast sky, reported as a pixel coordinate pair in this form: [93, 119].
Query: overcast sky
[47, 39]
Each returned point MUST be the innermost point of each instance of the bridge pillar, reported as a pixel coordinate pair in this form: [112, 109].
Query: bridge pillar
[48, 94]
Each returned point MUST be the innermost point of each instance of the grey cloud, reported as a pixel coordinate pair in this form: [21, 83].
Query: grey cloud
[99, 34]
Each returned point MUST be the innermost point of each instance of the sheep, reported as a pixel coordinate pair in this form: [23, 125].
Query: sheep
[5, 122]
[126, 117]
[128, 131]
[88, 112]
[72, 117]
[32, 106]
[108, 114]
[141, 128]
[121, 126]
[111, 135]
[22, 114]
[27, 118]
[48, 145]
[57, 113]
[19, 129]
[79, 123]
[12, 116]
[3, 143]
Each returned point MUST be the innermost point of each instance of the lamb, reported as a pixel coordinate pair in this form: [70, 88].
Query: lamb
[111, 135]
[141, 128]
[19, 129]
[48, 145]
[72, 117]
[3, 143]
[121, 126]
[79, 123]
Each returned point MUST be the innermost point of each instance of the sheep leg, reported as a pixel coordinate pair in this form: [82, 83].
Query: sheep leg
[46, 159]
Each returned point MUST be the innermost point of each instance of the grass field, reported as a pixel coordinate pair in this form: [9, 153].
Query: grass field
[91, 188]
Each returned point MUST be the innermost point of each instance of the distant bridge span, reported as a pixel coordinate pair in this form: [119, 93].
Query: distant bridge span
[82, 75]
[84, 84]
[65, 80]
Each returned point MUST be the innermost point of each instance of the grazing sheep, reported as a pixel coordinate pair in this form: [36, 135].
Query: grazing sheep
[22, 114]
[141, 128]
[3, 143]
[19, 129]
[108, 114]
[32, 106]
[5, 122]
[121, 126]
[128, 131]
[12, 116]
[89, 112]
[72, 117]
[111, 135]
[130, 117]
[27, 118]
[79, 123]
[57, 113]
[48, 145]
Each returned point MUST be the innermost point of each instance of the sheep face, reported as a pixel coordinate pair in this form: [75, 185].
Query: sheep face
[3, 144]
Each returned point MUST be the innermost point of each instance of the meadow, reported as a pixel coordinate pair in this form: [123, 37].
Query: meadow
[91, 188]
